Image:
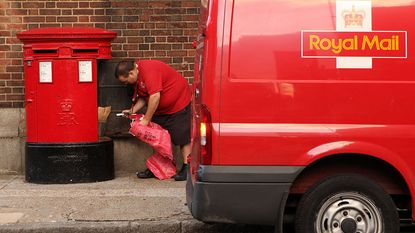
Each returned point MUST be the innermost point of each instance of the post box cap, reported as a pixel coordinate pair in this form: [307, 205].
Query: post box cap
[84, 33]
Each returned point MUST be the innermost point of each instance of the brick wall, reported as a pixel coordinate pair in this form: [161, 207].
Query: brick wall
[147, 29]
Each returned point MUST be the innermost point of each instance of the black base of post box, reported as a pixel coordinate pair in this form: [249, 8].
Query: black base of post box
[70, 162]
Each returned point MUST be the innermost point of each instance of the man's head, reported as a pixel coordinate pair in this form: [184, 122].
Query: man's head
[127, 72]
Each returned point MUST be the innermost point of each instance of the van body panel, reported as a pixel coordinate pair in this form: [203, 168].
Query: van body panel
[280, 96]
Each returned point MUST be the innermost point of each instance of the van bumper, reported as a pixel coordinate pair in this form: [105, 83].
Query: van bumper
[241, 194]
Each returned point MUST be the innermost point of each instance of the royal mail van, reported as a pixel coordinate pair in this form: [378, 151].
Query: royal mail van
[304, 113]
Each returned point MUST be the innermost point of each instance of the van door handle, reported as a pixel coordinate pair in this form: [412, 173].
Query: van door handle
[29, 101]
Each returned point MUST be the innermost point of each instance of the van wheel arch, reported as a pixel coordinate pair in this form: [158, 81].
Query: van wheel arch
[379, 171]
[350, 202]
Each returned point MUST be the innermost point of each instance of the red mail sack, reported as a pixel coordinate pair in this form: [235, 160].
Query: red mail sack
[154, 135]
[161, 167]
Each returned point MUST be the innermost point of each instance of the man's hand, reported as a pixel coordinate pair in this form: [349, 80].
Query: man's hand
[126, 112]
[144, 121]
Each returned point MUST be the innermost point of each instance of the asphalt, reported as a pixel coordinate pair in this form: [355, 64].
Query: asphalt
[125, 204]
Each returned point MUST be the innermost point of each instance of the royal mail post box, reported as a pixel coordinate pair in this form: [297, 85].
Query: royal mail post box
[60, 66]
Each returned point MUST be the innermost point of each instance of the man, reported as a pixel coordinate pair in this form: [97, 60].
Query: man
[167, 96]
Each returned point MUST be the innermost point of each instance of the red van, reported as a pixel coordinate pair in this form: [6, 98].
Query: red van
[304, 112]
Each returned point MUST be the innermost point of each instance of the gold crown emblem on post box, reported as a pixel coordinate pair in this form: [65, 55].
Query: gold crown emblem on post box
[66, 105]
[353, 17]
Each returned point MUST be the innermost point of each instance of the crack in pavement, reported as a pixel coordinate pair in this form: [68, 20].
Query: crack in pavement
[9, 182]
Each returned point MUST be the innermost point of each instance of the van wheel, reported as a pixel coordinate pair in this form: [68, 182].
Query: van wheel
[346, 203]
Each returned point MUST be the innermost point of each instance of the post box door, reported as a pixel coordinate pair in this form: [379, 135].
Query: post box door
[30, 90]
[65, 102]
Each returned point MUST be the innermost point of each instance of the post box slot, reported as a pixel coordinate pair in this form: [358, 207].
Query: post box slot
[45, 52]
[85, 51]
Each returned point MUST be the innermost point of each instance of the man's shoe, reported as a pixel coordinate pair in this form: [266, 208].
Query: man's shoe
[182, 174]
[145, 174]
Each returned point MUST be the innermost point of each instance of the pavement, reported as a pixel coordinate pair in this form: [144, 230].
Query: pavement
[125, 204]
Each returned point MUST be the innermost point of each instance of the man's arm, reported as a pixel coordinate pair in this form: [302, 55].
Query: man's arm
[137, 106]
[153, 103]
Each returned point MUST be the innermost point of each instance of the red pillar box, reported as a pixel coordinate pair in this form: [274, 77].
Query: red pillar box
[60, 66]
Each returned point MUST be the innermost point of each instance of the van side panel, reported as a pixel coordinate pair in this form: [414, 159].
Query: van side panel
[277, 105]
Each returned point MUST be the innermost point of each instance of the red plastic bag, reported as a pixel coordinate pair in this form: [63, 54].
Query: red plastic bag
[154, 135]
[162, 167]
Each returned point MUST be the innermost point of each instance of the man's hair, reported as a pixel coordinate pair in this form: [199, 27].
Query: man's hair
[123, 68]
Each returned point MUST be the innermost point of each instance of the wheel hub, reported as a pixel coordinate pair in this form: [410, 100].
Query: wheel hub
[349, 212]
[349, 225]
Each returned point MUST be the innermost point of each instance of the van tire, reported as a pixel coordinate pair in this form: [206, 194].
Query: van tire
[346, 201]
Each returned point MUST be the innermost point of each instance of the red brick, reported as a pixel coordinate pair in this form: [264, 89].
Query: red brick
[119, 54]
[83, 19]
[4, 5]
[16, 5]
[5, 90]
[177, 39]
[33, 12]
[50, 25]
[31, 26]
[5, 33]
[5, 48]
[99, 11]
[159, 4]
[161, 39]
[17, 76]
[67, 5]
[176, 53]
[51, 5]
[135, 54]
[161, 53]
[116, 19]
[83, 11]
[66, 12]
[19, 27]
[51, 19]
[135, 39]
[130, 18]
[135, 25]
[15, 97]
[34, 19]
[14, 12]
[149, 25]
[148, 54]
[177, 46]
[130, 33]
[17, 62]
[33, 5]
[5, 76]
[14, 69]
[160, 47]
[2, 83]
[67, 19]
[161, 32]
[124, 4]
[83, 4]
[116, 26]
[5, 19]
[190, 3]
[129, 47]
[190, 17]
[100, 18]
[49, 12]
[2, 12]
[15, 83]
[99, 4]
[18, 104]
[3, 104]
[18, 90]
[17, 48]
